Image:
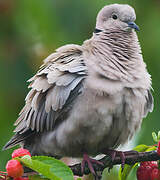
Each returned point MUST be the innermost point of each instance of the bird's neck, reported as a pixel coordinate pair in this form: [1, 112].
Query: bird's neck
[120, 45]
[117, 53]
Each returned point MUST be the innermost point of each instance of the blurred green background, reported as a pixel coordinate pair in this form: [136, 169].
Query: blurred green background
[31, 29]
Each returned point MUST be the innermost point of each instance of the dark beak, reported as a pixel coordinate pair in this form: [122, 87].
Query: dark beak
[133, 26]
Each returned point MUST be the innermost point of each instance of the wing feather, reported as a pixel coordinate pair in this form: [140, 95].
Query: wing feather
[53, 90]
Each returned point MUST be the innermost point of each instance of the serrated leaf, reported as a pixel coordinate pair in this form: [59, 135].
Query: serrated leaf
[58, 167]
[49, 167]
[39, 167]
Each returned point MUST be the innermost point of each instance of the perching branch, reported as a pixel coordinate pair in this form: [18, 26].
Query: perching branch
[130, 159]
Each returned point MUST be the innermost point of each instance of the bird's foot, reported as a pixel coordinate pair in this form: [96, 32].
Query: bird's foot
[121, 154]
[89, 161]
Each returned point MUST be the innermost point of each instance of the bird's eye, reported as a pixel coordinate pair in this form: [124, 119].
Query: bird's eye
[114, 16]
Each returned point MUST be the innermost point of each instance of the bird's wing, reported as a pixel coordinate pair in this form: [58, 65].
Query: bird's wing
[53, 90]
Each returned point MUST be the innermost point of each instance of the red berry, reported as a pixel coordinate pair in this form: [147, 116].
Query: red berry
[143, 173]
[20, 152]
[158, 148]
[152, 164]
[155, 174]
[145, 170]
[14, 168]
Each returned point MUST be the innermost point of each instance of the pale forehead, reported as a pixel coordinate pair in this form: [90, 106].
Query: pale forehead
[123, 10]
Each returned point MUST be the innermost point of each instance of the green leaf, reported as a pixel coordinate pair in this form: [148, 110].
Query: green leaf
[40, 167]
[127, 169]
[141, 148]
[154, 137]
[58, 167]
[37, 177]
[49, 167]
[158, 135]
[151, 148]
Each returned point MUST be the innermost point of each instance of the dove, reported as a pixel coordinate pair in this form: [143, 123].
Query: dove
[86, 99]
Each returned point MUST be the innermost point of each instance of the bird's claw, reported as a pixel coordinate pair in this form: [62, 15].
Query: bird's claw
[89, 161]
[121, 154]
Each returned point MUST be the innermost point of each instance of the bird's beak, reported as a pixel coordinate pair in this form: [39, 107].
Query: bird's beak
[133, 26]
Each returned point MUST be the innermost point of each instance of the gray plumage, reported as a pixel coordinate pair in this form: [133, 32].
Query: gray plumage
[91, 97]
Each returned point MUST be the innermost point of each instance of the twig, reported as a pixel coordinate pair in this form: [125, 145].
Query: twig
[129, 159]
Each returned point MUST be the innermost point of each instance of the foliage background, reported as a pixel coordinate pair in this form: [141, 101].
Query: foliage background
[31, 30]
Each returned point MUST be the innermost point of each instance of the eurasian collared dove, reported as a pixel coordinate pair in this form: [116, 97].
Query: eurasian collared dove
[86, 99]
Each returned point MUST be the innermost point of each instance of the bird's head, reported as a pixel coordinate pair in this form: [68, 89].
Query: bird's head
[116, 17]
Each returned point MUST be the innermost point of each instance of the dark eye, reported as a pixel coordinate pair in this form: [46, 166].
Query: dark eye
[114, 16]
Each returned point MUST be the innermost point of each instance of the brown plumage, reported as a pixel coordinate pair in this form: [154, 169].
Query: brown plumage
[88, 98]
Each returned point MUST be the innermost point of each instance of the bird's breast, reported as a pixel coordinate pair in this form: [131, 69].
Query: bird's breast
[90, 122]
[95, 123]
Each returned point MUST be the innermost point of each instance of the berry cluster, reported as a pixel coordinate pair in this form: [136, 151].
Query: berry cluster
[14, 167]
[148, 171]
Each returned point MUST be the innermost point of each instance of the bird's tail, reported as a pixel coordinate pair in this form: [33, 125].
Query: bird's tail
[17, 139]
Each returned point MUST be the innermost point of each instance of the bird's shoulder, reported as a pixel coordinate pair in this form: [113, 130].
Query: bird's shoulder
[64, 51]
[53, 89]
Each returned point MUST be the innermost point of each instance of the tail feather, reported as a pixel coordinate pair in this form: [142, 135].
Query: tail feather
[17, 139]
